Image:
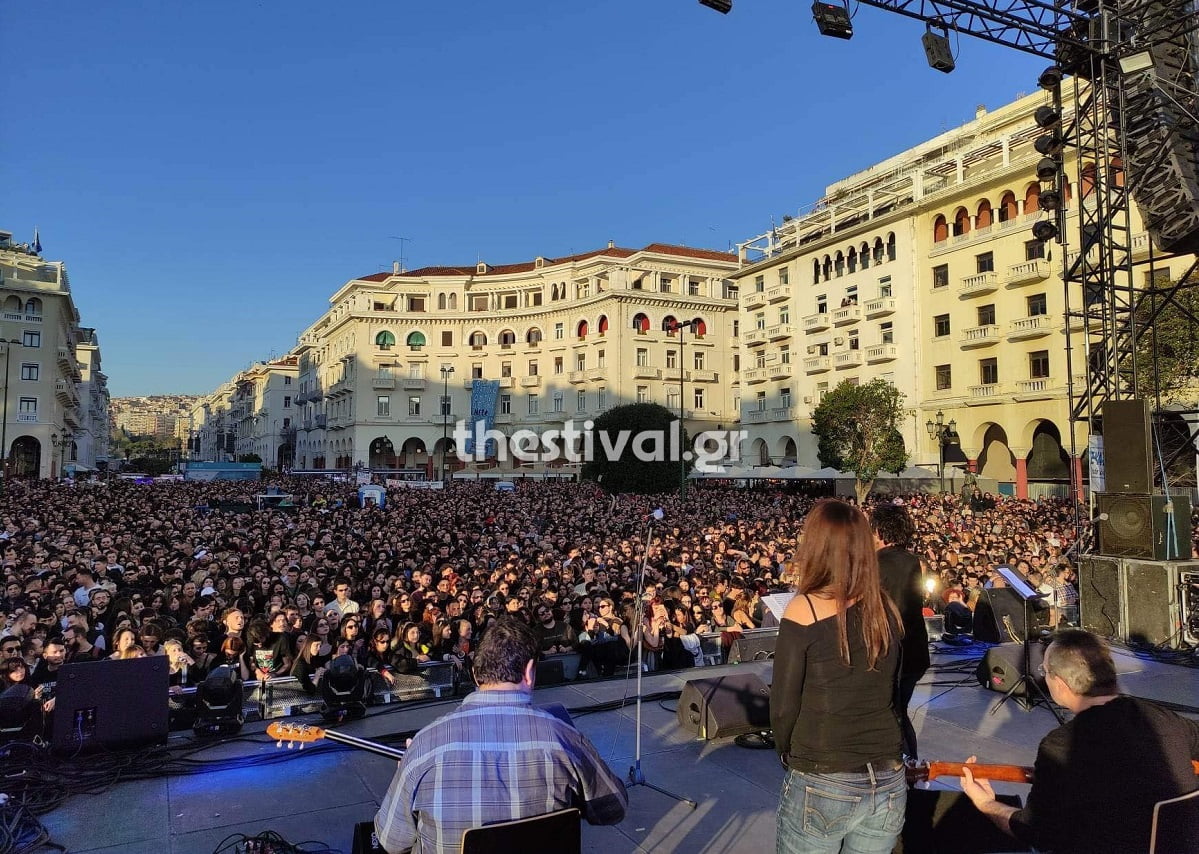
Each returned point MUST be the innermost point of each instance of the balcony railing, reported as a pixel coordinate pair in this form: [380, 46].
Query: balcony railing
[846, 315]
[578, 376]
[848, 359]
[880, 306]
[1029, 327]
[595, 374]
[754, 299]
[647, 372]
[755, 337]
[817, 364]
[1037, 389]
[881, 353]
[756, 416]
[703, 376]
[778, 293]
[1140, 245]
[381, 382]
[755, 375]
[780, 331]
[986, 392]
[780, 371]
[414, 383]
[531, 381]
[980, 336]
[816, 322]
[1036, 270]
[979, 283]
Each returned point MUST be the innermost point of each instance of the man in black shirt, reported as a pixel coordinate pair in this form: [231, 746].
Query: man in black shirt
[901, 576]
[1098, 776]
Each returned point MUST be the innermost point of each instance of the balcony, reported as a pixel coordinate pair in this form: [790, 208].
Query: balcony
[876, 353]
[1029, 327]
[414, 383]
[577, 377]
[319, 422]
[596, 374]
[1027, 273]
[781, 371]
[27, 417]
[64, 357]
[783, 413]
[506, 382]
[704, 376]
[848, 359]
[1140, 245]
[755, 375]
[983, 394]
[846, 315]
[778, 293]
[816, 322]
[980, 336]
[817, 364]
[531, 382]
[65, 391]
[756, 416]
[1037, 389]
[979, 283]
[754, 299]
[754, 337]
[880, 307]
[646, 372]
[780, 331]
[383, 382]
[339, 388]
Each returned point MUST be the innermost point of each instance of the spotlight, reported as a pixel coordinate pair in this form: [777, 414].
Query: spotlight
[1051, 200]
[219, 703]
[1044, 231]
[832, 19]
[937, 51]
[344, 688]
[721, 6]
[1051, 144]
[1046, 169]
[1047, 117]
[1050, 78]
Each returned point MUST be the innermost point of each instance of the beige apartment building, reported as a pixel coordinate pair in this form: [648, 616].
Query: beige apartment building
[91, 444]
[263, 411]
[923, 270]
[40, 408]
[388, 370]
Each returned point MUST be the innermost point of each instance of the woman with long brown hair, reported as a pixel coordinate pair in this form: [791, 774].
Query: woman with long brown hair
[832, 701]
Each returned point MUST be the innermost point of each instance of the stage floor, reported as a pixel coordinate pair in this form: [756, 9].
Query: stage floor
[321, 797]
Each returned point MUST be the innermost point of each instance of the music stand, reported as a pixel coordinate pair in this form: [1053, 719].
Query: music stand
[1033, 695]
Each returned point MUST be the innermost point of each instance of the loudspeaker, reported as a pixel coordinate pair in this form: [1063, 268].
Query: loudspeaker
[939, 821]
[1003, 665]
[724, 706]
[110, 704]
[1127, 449]
[755, 647]
[832, 19]
[1101, 595]
[1142, 526]
[550, 672]
[938, 52]
[999, 616]
[1153, 605]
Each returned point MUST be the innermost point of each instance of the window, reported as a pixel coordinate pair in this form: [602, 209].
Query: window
[532, 367]
[478, 302]
[287, 380]
[416, 304]
[851, 295]
[447, 338]
[287, 401]
[385, 340]
[580, 361]
[884, 286]
[736, 362]
[760, 359]
[286, 423]
[853, 339]
[665, 285]
[27, 406]
[1037, 305]
[941, 276]
[985, 263]
[944, 375]
[505, 369]
[534, 404]
[760, 320]
[760, 402]
[821, 389]
[731, 291]
[32, 339]
[736, 327]
[693, 287]
[822, 304]
[822, 348]
[642, 394]
[601, 399]
[511, 300]
[416, 340]
[785, 354]
[785, 398]
[1038, 364]
[535, 298]
[507, 338]
[559, 402]
[414, 405]
[533, 337]
[558, 366]
[697, 397]
[581, 402]
[784, 276]
[986, 315]
[478, 340]
[29, 371]
[785, 314]
[941, 325]
[697, 360]
[886, 333]
[559, 331]
[601, 359]
[988, 371]
[383, 406]
[416, 371]
[476, 371]
[759, 284]
[505, 404]
[672, 399]
[1034, 250]
[444, 400]
[642, 357]
[672, 359]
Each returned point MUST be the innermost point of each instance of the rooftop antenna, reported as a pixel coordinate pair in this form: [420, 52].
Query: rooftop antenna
[402, 240]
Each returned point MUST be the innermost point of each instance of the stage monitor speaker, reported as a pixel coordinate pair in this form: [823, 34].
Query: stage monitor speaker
[110, 704]
[724, 706]
[940, 821]
[999, 616]
[754, 647]
[1153, 604]
[1101, 595]
[1127, 449]
[1003, 665]
[1145, 526]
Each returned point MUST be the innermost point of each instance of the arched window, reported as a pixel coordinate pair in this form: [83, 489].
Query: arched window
[1115, 177]
[864, 256]
[851, 260]
[878, 250]
[12, 304]
[581, 329]
[699, 328]
[34, 307]
[478, 340]
[640, 322]
[891, 247]
[1087, 185]
[940, 229]
[533, 337]
[670, 324]
[827, 268]
[983, 217]
[1032, 198]
[507, 338]
[1007, 207]
[453, 302]
[415, 340]
[441, 302]
[839, 265]
[961, 222]
[385, 340]
[603, 324]
[815, 271]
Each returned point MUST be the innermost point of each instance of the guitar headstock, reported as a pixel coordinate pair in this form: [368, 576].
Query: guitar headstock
[294, 734]
[918, 771]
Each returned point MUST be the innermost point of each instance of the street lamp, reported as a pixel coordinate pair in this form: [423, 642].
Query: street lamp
[671, 325]
[54, 467]
[8, 342]
[944, 434]
[446, 370]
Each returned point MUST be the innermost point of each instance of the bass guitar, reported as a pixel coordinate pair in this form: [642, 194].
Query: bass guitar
[302, 734]
[928, 771]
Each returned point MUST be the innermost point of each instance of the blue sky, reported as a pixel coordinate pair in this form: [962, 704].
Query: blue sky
[213, 172]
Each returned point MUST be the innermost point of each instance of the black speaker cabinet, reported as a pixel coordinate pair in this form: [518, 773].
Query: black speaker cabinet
[755, 647]
[724, 706]
[110, 704]
[1127, 449]
[1153, 607]
[1145, 526]
[999, 616]
[941, 821]
[1003, 665]
[1101, 595]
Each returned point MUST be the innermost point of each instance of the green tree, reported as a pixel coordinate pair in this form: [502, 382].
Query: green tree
[614, 464]
[857, 429]
[1168, 352]
[249, 458]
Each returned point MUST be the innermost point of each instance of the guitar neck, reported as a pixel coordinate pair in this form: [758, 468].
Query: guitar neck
[1002, 773]
[361, 743]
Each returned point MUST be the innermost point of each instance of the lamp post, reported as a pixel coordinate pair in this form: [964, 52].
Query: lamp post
[54, 459]
[8, 345]
[672, 325]
[446, 370]
[944, 434]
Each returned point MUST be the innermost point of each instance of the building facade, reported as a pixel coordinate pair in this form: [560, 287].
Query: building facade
[90, 448]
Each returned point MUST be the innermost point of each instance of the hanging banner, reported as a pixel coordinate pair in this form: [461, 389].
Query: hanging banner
[1095, 464]
[484, 397]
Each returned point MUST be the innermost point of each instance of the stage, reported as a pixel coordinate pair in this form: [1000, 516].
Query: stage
[319, 796]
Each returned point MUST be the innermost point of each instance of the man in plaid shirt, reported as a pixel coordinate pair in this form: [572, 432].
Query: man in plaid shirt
[1065, 596]
[494, 758]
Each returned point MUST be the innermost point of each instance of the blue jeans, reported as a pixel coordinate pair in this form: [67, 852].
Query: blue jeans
[841, 813]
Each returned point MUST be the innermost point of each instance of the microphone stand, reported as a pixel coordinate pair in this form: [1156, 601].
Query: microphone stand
[636, 777]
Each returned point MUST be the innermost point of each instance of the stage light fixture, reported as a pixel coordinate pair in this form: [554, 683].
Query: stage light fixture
[219, 701]
[1044, 231]
[1051, 144]
[721, 6]
[1050, 200]
[1046, 169]
[1050, 78]
[345, 688]
[938, 51]
[832, 19]
[1047, 117]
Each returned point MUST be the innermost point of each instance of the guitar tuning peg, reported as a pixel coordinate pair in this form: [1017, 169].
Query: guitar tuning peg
[290, 745]
[279, 743]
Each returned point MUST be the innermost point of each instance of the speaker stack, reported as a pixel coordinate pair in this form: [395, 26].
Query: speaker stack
[724, 706]
[1134, 588]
